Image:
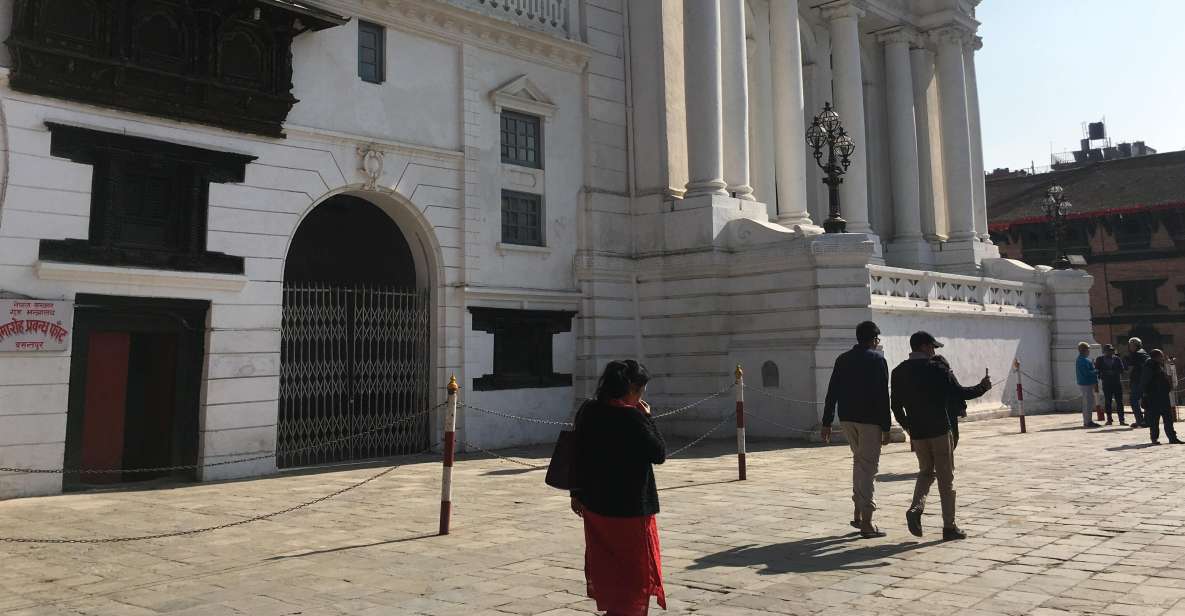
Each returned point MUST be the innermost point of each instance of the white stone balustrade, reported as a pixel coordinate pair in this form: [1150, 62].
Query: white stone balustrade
[912, 289]
[553, 16]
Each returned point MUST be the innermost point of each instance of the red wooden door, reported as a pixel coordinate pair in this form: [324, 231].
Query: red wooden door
[106, 403]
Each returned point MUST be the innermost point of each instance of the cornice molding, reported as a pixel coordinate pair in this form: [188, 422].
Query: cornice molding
[446, 22]
[521, 94]
[951, 34]
[841, 9]
[898, 35]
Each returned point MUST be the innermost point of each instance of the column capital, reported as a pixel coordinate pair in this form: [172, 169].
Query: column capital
[950, 35]
[841, 9]
[899, 35]
[976, 43]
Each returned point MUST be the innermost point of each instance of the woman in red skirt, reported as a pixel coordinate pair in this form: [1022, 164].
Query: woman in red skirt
[617, 442]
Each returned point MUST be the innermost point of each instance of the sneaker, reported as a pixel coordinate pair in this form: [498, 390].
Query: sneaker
[1175, 442]
[1122, 422]
[953, 534]
[1109, 422]
[913, 519]
[872, 533]
[1092, 425]
[1155, 442]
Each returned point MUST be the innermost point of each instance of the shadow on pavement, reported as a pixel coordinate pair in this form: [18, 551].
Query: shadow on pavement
[696, 485]
[810, 555]
[887, 477]
[1131, 446]
[351, 547]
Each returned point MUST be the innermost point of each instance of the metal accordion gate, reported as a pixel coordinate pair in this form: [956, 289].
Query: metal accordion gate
[354, 374]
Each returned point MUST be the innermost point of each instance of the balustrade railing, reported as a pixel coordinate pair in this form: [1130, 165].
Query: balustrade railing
[906, 288]
[553, 16]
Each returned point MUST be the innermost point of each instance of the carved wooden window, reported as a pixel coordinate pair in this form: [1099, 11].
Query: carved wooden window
[1139, 295]
[223, 63]
[521, 140]
[523, 356]
[148, 201]
[372, 52]
[522, 218]
[1132, 232]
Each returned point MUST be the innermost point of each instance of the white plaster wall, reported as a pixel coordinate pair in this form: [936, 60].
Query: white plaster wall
[419, 103]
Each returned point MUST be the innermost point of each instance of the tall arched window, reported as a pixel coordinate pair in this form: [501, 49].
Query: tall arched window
[770, 378]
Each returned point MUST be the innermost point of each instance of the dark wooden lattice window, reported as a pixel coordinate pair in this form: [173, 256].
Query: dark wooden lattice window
[522, 218]
[1132, 232]
[521, 140]
[371, 52]
[148, 201]
[522, 347]
[1139, 295]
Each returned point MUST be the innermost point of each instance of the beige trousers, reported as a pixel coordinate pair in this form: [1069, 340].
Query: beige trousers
[936, 459]
[865, 441]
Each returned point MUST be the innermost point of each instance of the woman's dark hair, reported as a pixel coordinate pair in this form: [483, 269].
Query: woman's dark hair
[618, 377]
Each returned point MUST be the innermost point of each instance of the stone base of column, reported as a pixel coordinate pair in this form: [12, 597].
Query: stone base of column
[910, 253]
[800, 221]
[696, 222]
[963, 256]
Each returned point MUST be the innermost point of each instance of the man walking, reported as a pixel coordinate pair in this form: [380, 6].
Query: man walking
[1136, 359]
[922, 391]
[860, 388]
[1111, 368]
[1088, 383]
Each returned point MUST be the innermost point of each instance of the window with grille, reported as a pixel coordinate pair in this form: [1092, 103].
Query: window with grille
[521, 143]
[1139, 295]
[371, 52]
[522, 218]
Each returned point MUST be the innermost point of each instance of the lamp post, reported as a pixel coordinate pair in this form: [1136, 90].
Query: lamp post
[826, 131]
[1056, 207]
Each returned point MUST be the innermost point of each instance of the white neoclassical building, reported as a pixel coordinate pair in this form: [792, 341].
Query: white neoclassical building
[232, 228]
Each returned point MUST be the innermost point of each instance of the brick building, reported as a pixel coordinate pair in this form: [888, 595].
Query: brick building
[1128, 221]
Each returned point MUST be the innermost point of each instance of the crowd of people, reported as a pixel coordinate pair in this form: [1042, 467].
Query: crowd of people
[1150, 387]
[617, 443]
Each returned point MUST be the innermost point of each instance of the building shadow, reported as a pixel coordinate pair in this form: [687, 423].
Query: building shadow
[841, 552]
[1131, 446]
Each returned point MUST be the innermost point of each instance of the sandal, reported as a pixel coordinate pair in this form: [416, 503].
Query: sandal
[873, 534]
[855, 524]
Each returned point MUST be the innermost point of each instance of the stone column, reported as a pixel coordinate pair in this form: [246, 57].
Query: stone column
[844, 20]
[930, 177]
[734, 82]
[907, 218]
[956, 135]
[705, 118]
[789, 131]
[978, 187]
[761, 116]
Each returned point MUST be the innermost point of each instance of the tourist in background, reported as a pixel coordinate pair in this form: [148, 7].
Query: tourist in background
[1111, 368]
[1088, 383]
[617, 444]
[1136, 359]
[922, 390]
[859, 387]
[1156, 385]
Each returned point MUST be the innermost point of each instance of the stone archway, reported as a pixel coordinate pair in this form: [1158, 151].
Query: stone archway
[356, 338]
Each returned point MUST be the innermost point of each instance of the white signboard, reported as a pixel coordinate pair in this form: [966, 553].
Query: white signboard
[29, 325]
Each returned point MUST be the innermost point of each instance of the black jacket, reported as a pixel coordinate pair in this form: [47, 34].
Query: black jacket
[922, 391]
[1136, 362]
[860, 388]
[1156, 384]
[1110, 369]
[615, 449]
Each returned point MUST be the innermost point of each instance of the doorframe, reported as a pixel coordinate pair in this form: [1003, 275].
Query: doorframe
[184, 317]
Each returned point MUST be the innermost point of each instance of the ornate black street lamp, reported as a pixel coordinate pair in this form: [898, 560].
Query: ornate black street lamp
[826, 130]
[1056, 206]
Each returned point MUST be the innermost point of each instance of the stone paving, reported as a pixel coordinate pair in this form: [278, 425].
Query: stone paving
[1062, 521]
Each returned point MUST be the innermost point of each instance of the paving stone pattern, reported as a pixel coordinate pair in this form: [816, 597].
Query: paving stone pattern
[1062, 521]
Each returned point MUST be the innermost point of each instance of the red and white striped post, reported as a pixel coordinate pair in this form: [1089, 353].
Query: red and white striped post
[450, 455]
[740, 387]
[1020, 395]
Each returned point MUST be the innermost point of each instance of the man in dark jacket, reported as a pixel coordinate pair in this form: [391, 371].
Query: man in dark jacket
[956, 407]
[922, 392]
[1111, 368]
[1136, 359]
[860, 388]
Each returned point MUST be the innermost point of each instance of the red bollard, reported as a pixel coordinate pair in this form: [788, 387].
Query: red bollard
[450, 456]
[740, 387]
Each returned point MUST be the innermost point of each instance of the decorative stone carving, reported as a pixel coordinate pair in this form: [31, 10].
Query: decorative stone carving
[521, 94]
[370, 163]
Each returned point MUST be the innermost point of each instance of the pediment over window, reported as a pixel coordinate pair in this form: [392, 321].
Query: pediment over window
[521, 94]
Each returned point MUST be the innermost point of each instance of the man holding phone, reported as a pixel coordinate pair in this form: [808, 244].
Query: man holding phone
[922, 389]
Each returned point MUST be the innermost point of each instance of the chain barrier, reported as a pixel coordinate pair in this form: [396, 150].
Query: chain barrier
[210, 529]
[546, 422]
[494, 454]
[688, 407]
[191, 467]
[697, 441]
[779, 424]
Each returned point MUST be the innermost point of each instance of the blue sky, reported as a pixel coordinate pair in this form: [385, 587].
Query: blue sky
[1047, 66]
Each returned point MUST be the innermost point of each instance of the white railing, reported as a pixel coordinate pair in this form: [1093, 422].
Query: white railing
[907, 288]
[551, 16]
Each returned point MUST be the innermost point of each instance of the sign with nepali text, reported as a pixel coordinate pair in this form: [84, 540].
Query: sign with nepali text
[29, 325]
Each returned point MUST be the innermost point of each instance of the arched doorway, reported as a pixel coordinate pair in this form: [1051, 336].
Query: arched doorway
[355, 356]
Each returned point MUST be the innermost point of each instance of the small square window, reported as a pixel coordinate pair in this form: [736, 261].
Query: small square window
[521, 140]
[371, 52]
[522, 218]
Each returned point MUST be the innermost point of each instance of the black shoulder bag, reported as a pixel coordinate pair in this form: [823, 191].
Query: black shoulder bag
[563, 458]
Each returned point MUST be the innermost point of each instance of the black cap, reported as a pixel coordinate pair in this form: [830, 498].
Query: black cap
[919, 338]
[1108, 347]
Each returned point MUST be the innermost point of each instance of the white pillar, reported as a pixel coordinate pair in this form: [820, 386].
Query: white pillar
[789, 131]
[956, 136]
[705, 119]
[930, 179]
[734, 82]
[903, 144]
[761, 117]
[978, 180]
[844, 19]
